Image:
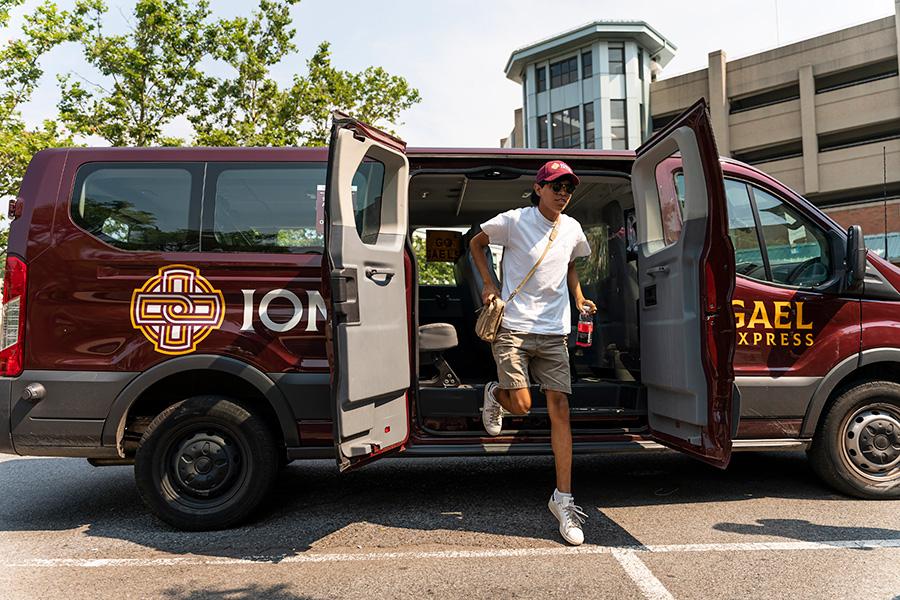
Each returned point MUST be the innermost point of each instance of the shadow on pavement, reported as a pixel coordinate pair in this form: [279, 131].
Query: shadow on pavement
[274, 592]
[400, 503]
[805, 531]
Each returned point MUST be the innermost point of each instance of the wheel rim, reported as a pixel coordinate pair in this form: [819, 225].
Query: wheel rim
[204, 467]
[871, 442]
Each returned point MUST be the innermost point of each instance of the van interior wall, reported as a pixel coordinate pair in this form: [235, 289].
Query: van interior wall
[602, 204]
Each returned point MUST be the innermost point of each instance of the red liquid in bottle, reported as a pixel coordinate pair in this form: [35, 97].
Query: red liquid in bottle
[585, 329]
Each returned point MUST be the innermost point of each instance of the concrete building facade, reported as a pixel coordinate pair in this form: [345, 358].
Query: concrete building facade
[588, 87]
[821, 115]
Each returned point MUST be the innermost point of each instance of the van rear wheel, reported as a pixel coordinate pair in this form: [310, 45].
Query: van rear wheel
[205, 463]
[857, 447]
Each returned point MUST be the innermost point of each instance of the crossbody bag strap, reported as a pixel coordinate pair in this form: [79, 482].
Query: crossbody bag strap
[537, 264]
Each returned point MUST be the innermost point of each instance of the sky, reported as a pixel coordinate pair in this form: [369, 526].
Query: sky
[454, 52]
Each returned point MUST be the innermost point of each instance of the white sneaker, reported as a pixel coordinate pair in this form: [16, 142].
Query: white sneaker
[491, 411]
[570, 518]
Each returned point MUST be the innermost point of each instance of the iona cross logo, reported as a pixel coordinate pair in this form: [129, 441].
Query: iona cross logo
[176, 309]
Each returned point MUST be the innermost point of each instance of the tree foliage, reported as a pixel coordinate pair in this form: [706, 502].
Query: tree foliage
[154, 73]
[20, 74]
[250, 108]
[149, 73]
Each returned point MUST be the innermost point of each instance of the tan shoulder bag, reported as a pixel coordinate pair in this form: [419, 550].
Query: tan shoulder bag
[488, 323]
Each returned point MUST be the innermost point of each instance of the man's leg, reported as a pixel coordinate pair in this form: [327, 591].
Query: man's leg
[511, 391]
[517, 401]
[560, 438]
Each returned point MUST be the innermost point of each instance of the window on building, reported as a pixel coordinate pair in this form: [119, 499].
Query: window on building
[540, 75]
[780, 151]
[640, 64]
[619, 138]
[618, 115]
[566, 127]
[617, 110]
[587, 64]
[643, 123]
[660, 121]
[856, 76]
[563, 72]
[869, 134]
[589, 125]
[616, 59]
[767, 98]
[542, 131]
[141, 207]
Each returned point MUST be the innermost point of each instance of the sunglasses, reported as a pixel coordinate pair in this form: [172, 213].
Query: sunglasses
[558, 186]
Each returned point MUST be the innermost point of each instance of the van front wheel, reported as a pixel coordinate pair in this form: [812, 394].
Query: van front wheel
[857, 447]
[205, 463]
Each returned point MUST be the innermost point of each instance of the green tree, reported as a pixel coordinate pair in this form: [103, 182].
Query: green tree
[372, 95]
[20, 73]
[149, 73]
[250, 108]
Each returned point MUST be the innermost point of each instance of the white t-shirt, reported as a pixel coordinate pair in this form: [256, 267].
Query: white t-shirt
[542, 305]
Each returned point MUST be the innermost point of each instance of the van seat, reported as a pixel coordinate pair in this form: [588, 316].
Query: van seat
[467, 272]
[435, 337]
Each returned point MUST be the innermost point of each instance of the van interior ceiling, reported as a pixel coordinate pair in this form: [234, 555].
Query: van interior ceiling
[606, 393]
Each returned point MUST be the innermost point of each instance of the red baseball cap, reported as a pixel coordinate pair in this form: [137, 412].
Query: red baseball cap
[555, 169]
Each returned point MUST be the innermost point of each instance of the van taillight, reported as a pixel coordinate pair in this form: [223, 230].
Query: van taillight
[12, 329]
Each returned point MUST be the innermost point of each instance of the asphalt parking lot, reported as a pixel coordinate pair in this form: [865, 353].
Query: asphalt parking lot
[661, 526]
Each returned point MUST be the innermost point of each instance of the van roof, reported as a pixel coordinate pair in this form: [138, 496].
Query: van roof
[201, 152]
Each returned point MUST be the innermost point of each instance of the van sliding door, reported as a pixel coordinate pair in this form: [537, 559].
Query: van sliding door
[365, 233]
[686, 278]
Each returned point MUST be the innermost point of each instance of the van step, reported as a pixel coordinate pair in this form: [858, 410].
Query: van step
[598, 410]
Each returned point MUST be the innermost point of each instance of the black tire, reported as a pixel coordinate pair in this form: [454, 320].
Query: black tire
[205, 463]
[856, 449]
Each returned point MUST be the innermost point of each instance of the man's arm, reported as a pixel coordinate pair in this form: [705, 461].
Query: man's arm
[575, 287]
[477, 246]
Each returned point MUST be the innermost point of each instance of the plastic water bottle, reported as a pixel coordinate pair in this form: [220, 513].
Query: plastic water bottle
[585, 329]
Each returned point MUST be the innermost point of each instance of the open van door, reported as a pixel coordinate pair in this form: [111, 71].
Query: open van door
[686, 278]
[365, 234]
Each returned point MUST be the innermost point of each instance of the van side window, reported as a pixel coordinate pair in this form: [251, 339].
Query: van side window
[140, 207]
[798, 252]
[368, 182]
[264, 207]
[748, 257]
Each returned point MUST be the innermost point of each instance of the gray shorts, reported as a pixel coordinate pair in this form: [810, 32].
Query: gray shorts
[545, 356]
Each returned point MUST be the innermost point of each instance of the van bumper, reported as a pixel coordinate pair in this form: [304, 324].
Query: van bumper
[6, 446]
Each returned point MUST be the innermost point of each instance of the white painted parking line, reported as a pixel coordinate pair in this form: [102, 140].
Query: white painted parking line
[642, 576]
[311, 557]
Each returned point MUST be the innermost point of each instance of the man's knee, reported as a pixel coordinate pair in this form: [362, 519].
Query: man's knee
[519, 401]
[557, 405]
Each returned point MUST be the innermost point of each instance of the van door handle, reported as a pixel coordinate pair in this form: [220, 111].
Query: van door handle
[379, 276]
[661, 270]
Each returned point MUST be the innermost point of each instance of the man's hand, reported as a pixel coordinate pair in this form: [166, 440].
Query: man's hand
[488, 291]
[584, 304]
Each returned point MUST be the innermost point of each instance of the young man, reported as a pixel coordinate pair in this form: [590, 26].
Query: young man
[536, 323]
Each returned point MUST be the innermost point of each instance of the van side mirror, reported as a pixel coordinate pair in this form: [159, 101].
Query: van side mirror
[856, 256]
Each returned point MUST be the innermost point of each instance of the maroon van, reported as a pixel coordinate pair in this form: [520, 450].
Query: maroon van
[211, 314]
